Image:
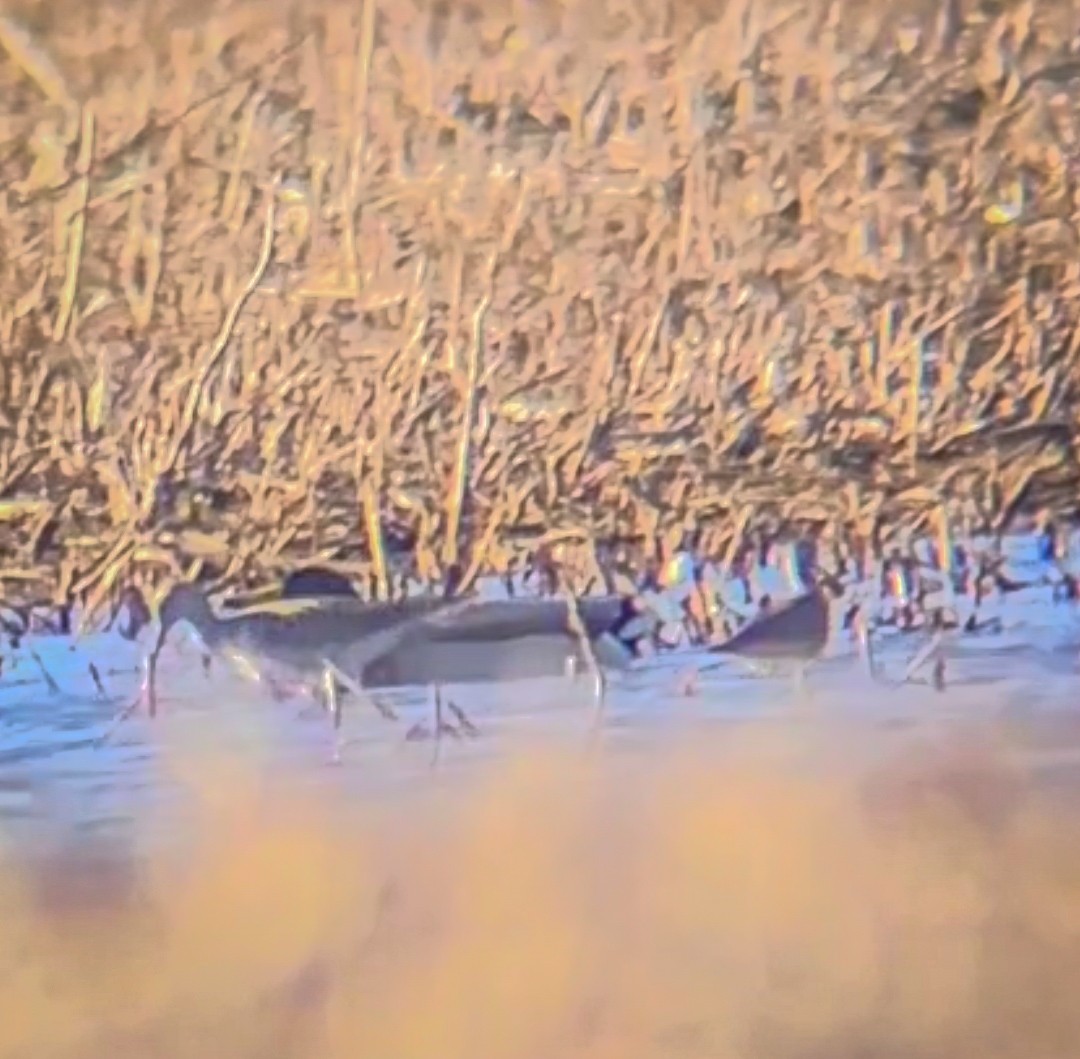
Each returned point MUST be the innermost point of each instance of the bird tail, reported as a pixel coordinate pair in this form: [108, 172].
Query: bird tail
[719, 648]
[611, 652]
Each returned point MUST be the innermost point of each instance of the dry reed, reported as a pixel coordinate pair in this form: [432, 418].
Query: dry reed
[526, 268]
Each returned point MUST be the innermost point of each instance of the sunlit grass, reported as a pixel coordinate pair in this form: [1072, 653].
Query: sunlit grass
[267, 297]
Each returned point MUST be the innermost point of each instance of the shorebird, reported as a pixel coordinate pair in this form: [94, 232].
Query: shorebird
[496, 639]
[339, 641]
[528, 636]
[324, 640]
[791, 635]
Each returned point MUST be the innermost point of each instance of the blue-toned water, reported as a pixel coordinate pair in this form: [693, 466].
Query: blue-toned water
[60, 783]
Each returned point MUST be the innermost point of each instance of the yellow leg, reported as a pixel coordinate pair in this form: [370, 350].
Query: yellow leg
[358, 690]
[437, 702]
[802, 695]
[332, 699]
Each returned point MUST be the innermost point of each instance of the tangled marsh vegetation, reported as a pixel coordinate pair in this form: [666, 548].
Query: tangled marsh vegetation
[343, 281]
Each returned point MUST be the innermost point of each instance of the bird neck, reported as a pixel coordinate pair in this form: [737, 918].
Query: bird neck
[194, 609]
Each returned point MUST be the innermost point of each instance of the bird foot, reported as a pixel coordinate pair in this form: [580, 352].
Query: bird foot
[687, 683]
[278, 691]
[938, 675]
[465, 726]
[95, 675]
[128, 711]
[421, 733]
[383, 707]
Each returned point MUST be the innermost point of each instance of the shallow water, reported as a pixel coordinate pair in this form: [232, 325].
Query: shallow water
[866, 871]
[58, 783]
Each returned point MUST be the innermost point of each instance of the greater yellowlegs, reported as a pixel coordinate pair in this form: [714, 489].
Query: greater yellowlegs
[338, 641]
[787, 635]
[328, 640]
[505, 639]
[792, 634]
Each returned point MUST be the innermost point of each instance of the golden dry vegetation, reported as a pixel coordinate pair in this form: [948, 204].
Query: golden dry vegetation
[290, 281]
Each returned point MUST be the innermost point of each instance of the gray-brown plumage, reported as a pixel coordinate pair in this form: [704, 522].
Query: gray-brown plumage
[795, 632]
[496, 640]
[304, 639]
[417, 641]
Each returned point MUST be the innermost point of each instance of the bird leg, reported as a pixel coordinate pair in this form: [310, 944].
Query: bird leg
[802, 696]
[444, 727]
[119, 719]
[149, 684]
[863, 642]
[437, 702]
[96, 677]
[686, 682]
[934, 649]
[145, 693]
[358, 690]
[313, 692]
[54, 688]
[599, 697]
[938, 673]
[206, 657]
[464, 724]
[576, 625]
[332, 701]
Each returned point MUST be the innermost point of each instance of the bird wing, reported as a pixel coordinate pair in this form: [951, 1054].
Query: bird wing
[477, 619]
[600, 613]
[282, 608]
[791, 627]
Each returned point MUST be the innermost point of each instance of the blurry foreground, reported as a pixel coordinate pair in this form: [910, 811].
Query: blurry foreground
[773, 895]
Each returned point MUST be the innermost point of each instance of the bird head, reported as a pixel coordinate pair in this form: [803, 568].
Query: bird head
[138, 613]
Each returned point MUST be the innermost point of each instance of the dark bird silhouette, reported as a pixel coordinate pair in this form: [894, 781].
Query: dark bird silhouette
[338, 641]
[793, 634]
[316, 581]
